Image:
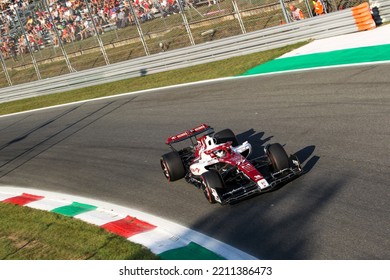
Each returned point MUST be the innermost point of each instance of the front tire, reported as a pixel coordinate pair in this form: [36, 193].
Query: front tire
[172, 166]
[226, 135]
[278, 157]
[211, 180]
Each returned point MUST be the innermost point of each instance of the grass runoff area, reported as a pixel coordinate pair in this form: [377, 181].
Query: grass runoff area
[30, 234]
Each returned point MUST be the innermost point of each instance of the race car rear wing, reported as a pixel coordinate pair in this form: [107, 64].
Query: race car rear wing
[203, 128]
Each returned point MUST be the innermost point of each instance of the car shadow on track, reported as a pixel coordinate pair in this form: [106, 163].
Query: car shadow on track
[255, 139]
[304, 155]
[258, 143]
[277, 225]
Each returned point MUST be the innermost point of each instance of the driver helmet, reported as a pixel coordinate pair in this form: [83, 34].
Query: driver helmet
[220, 153]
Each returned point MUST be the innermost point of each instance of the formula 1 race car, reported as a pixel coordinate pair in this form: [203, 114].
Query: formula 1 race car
[221, 167]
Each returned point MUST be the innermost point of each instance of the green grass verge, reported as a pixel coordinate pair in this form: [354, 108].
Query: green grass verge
[224, 68]
[31, 234]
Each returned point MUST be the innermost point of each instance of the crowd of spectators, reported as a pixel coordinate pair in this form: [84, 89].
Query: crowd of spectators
[72, 19]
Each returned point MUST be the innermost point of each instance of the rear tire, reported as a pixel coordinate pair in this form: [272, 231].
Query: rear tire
[226, 135]
[172, 166]
[278, 157]
[211, 179]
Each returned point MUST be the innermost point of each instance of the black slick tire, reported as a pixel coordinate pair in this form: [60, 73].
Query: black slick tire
[226, 135]
[172, 166]
[211, 179]
[278, 157]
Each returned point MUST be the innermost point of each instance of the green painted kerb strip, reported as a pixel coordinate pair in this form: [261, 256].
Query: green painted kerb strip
[341, 57]
[192, 251]
[74, 209]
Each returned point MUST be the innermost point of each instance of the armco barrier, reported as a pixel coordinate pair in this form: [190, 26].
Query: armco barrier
[338, 23]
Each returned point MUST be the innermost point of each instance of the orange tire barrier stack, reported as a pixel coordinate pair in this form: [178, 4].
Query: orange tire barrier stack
[363, 17]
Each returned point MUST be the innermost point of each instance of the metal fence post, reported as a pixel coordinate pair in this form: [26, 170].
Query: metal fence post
[5, 70]
[97, 35]
[239, 18]
[286, 15]
[140, 33]
[183, 15]
[28, 44]
[71, 69]
[308, 8]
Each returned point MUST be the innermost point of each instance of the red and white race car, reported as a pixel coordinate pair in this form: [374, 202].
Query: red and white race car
[222, 168]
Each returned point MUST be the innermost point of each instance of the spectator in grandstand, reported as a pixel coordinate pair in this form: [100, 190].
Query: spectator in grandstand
[22, 45]
[318, 7]
[113, 16]
[71, 19]
[157, 5]
[33, 42]
[167, 7]
[54, 38]
[99, 23]
[6, 26]
[3, 6]
[121, 19]
[66, 35]
[4, 48]
[87, 29]
[29, 20]
[296, 13]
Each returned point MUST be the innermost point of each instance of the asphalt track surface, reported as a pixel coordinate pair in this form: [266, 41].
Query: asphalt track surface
[336, 121]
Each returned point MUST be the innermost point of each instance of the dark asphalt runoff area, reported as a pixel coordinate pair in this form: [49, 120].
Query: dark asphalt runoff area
[337, 122]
